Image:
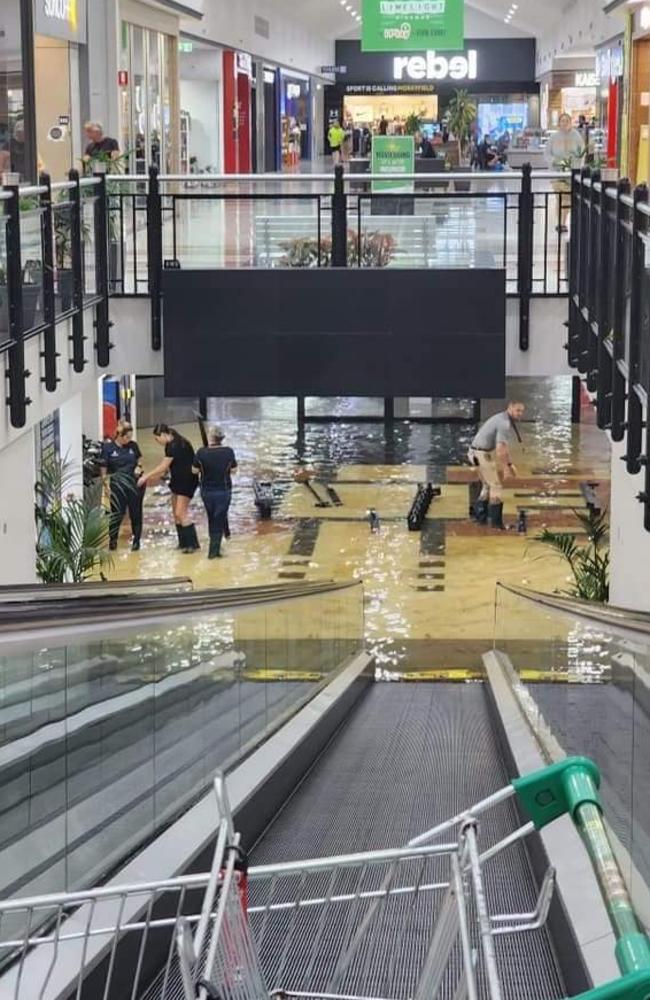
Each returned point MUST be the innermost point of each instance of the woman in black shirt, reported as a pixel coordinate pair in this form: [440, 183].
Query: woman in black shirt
[120, 463]
[178, 462]
[216, 464]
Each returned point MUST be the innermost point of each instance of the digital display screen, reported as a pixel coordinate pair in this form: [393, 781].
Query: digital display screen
[495, 119]
[430, 129]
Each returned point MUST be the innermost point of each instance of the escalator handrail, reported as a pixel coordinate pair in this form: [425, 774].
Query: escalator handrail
[605, 614]
[111, 609]
[42, 591]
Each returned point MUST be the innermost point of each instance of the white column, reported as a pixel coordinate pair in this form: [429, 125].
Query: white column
[629, 541]
[17, 526]
[70, 424]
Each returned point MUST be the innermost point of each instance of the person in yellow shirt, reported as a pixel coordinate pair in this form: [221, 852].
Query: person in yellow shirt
[336, 138]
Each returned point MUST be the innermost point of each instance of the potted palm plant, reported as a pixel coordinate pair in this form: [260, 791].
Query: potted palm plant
[72, 531]
[461, 115]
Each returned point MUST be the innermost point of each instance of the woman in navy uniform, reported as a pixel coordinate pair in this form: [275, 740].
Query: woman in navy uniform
[120, 462]
[178, 462]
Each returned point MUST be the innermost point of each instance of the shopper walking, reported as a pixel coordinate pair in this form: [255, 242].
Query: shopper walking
[120, 462]
[564, 151]
[336, 138]
[178, 462]
[490, 454]
[215, 465]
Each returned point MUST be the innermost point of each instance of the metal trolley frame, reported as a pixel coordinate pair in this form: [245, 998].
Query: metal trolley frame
[210, 928]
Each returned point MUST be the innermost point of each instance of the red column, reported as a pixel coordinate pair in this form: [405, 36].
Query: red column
[230, 113]
[244, 98]
[612, 124]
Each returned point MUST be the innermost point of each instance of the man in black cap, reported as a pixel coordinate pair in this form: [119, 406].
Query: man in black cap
[215, 464]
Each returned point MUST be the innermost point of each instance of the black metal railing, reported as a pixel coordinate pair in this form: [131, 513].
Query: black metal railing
[53, 268]
[609, 310]
[66, 249]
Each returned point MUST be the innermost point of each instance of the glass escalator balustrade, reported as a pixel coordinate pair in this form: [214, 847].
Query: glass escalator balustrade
[108, 731]
[584, 685]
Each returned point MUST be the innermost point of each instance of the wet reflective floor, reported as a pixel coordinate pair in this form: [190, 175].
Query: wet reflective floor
[429, 594]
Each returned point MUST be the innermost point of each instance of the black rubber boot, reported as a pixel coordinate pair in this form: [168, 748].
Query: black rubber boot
[480, 511]
[495, 512]
[191, 539]
[179, 530]
[135, 545]
[215, 548]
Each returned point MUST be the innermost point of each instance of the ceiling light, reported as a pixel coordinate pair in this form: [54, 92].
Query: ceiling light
[515, 6]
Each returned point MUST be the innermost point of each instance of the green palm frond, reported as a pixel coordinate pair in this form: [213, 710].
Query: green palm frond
[589, 563]
[72, 530]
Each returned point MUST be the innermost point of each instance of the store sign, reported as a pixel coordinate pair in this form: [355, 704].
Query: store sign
[436, 67]
[293, 91]
[393, 154]
[245, 63]
[64, 19]
[586, 80]
[412, 25]
[334, 69]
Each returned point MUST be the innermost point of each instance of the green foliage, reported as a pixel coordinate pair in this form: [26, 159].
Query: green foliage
[370, 249]
[589, 563]
[413, 123]
[72, 531]
[461, 114]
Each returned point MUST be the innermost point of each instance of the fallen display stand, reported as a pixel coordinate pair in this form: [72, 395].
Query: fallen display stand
[420, 506]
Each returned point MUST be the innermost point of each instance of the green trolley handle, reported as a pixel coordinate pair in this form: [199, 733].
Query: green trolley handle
[571, 786]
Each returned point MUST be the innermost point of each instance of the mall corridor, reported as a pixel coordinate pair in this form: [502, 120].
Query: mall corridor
[325, 508]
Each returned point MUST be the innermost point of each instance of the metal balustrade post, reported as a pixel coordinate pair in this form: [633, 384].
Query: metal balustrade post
[604, 360]
[584, 226]
[49, 353]
[574, 267]
[634, 422]
[618, 329]
[591, 329]
[154, 256]
[102, 317]
[339, 220]
[525, 268]
[16, 373]
[78, 359]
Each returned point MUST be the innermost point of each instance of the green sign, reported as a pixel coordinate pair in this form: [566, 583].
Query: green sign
[393, 154]
[412, 25]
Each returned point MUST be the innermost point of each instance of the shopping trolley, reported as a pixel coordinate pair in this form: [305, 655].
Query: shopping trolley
[238, 934]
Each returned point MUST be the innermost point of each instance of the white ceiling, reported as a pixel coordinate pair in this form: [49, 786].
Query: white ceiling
[330, 19]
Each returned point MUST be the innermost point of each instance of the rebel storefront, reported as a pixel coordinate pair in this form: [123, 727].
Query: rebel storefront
[499, 73]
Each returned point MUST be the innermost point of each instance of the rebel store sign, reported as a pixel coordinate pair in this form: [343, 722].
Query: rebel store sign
[503, 64]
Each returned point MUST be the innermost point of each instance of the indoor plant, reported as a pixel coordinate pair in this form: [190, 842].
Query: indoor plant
[413, 123]
[461, 115]
[72, 530]
[589, 563]
[369, 249]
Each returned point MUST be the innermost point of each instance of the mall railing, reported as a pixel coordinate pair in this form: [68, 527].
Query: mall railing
[581, 675]
[65, 248]
[53, 267]
[115, 712]
[609, 310]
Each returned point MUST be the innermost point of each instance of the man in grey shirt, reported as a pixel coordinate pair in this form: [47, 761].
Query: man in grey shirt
[489, 453]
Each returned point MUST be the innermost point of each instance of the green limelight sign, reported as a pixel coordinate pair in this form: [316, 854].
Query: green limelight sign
[393, 154]
[412, 25]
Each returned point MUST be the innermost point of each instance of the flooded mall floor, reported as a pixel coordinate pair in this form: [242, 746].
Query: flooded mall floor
[429, 594]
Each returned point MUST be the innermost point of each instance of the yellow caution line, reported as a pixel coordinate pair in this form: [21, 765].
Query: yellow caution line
[281, 675]
[462, 675]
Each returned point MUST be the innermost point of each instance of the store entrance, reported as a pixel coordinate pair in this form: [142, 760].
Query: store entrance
[400, 111]
[55, 117]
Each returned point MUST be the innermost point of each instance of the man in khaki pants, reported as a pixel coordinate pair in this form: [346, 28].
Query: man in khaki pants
[489, 453]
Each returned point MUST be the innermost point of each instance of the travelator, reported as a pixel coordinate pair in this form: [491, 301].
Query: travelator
[371, 873]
